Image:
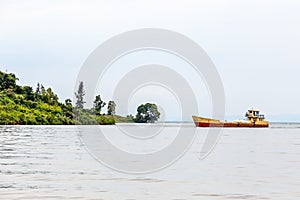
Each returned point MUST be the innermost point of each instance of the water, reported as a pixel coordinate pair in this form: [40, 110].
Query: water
[49, 162]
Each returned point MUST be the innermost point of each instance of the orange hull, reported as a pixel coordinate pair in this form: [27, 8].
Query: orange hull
[206, 122]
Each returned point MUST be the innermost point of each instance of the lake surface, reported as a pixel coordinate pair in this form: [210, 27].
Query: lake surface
[50, 162]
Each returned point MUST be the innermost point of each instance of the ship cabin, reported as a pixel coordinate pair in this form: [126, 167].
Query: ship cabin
[253, 115]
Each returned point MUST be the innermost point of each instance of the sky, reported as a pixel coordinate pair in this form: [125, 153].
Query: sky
[254, 45]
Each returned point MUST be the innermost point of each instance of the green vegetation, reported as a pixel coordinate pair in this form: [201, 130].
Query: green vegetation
[98, 105]
[121, 119]
[23, 105]
[111, 108]
[147, 113]
[79, 95]
[88, 117]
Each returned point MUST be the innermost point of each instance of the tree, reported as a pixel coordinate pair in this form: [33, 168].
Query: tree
[79, 95]
[68, 102]
[111, 108]
[43, 89]
[98, 104]
[8, 81]
[68, 108]
[147, 113]
[38, 89]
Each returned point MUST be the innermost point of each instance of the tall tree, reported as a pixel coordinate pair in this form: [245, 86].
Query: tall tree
[111, 108]
[38, 89]
[79, 96]
[147, 113]
[98, 104]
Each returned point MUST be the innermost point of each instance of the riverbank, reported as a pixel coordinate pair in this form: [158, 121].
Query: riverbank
[22, 105]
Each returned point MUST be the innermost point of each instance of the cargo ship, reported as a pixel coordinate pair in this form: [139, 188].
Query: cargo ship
[253, 120]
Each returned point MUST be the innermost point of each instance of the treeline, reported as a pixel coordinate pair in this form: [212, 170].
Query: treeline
[23, 105]
[40, 106]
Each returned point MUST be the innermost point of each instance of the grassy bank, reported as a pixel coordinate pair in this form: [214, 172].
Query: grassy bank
[121, 119]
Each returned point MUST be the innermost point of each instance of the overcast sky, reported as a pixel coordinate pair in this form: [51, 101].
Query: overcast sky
[254, 44]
